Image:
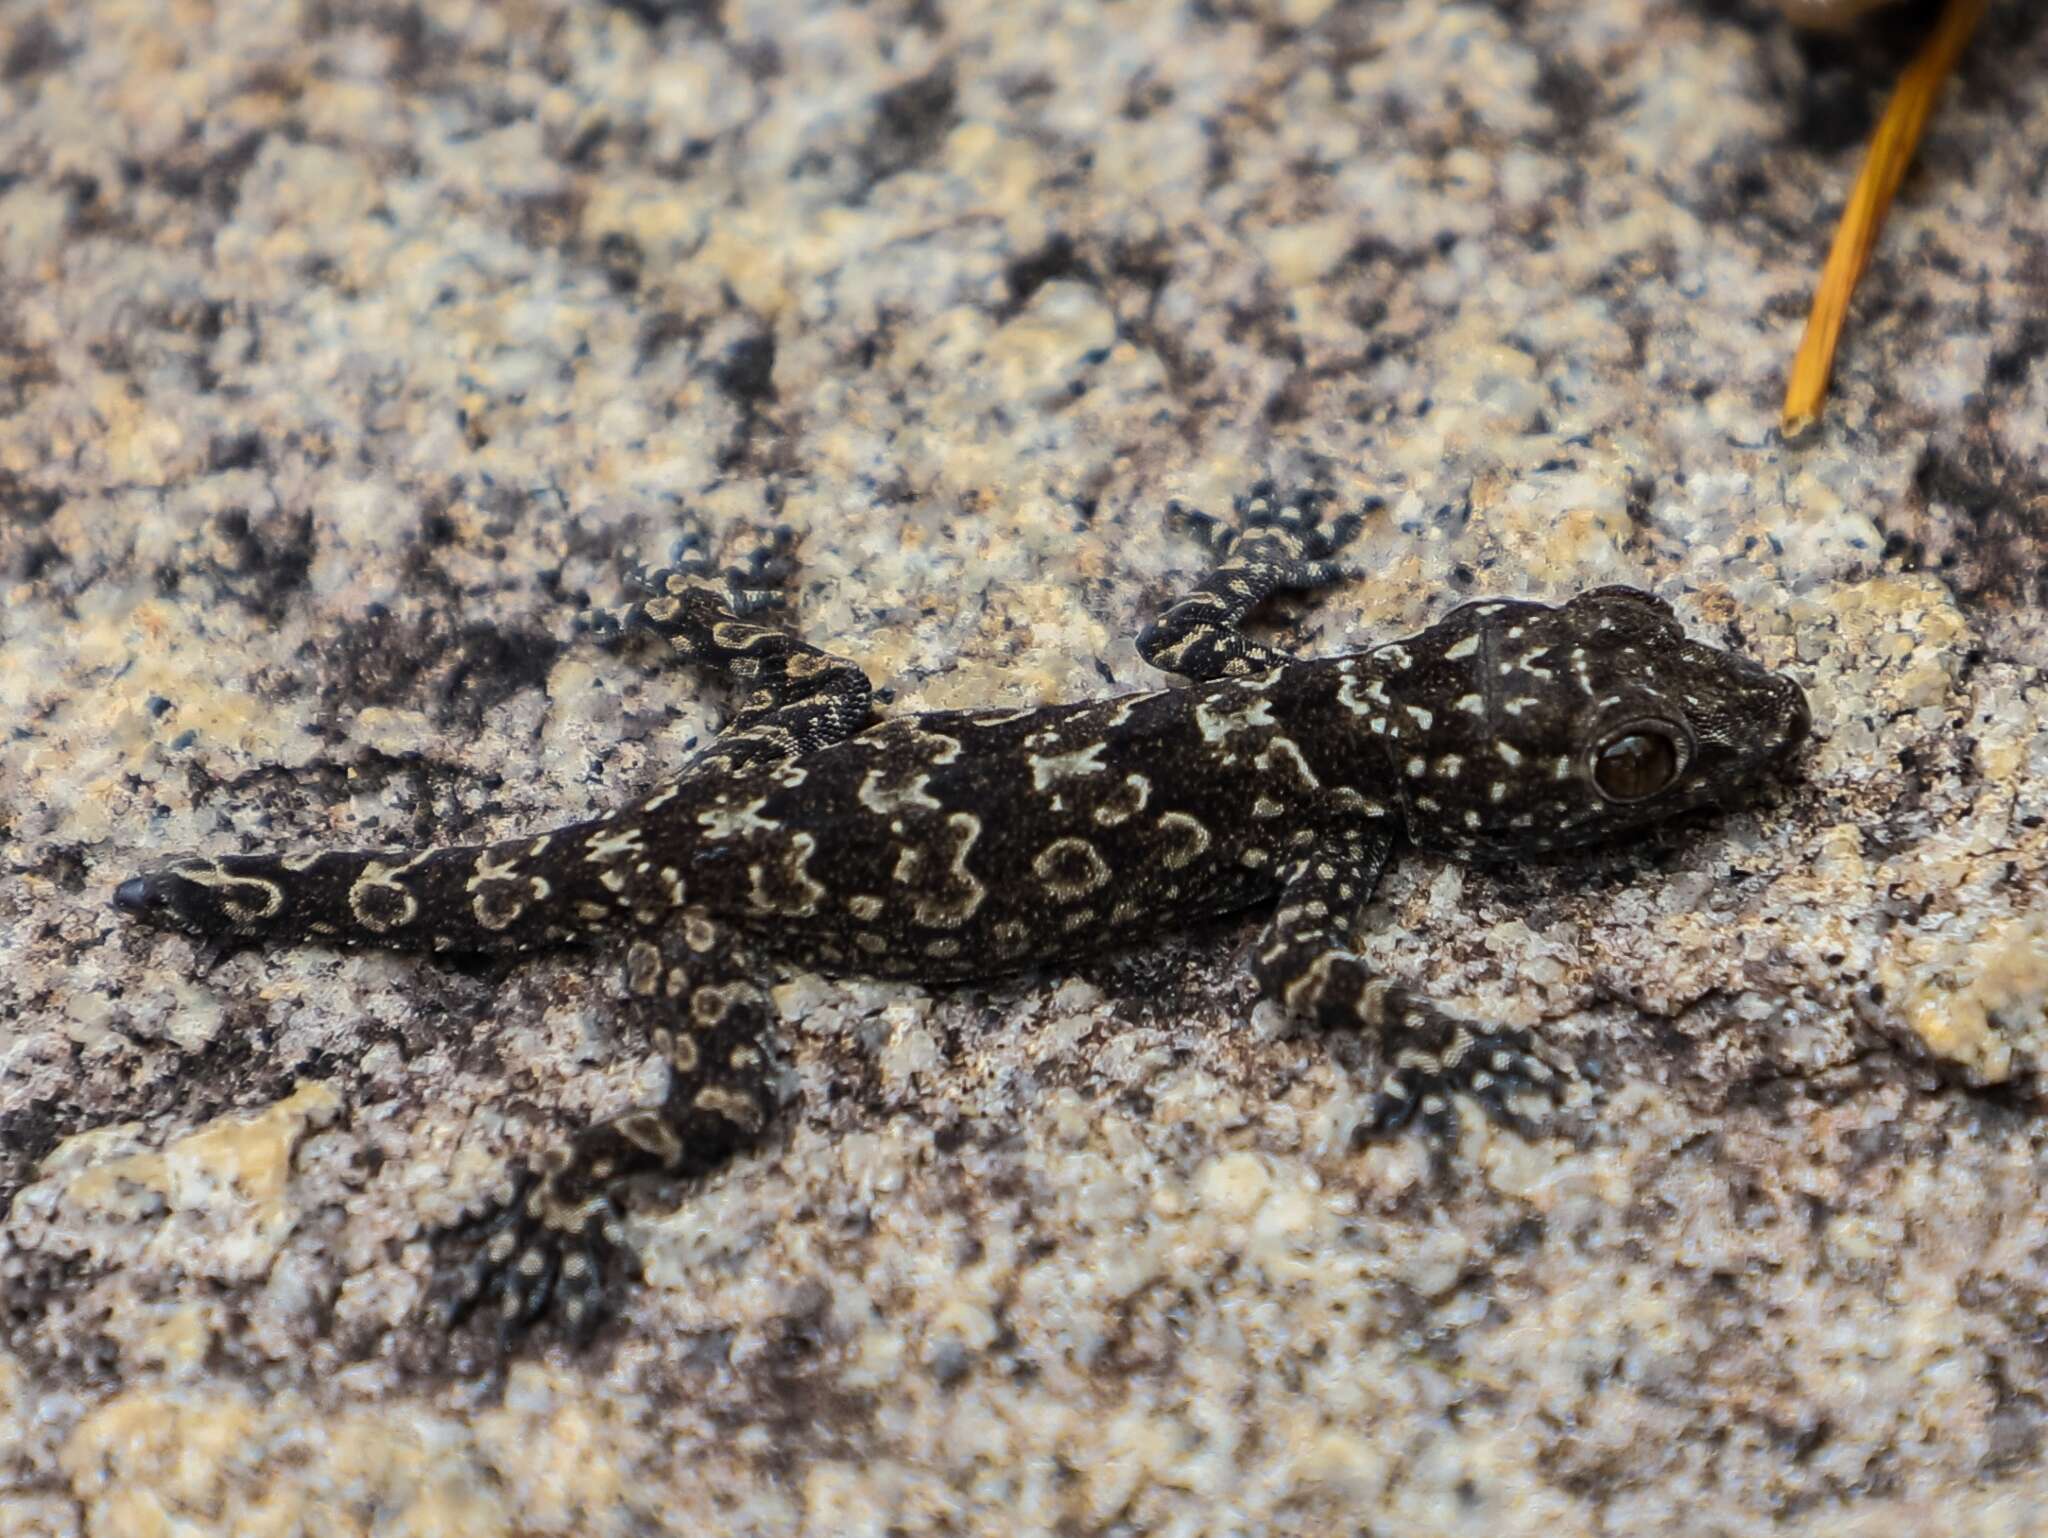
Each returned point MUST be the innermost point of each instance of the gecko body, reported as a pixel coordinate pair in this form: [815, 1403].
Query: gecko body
[959, 844]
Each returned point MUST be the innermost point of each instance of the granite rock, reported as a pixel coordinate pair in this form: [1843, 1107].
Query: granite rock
[344, 349]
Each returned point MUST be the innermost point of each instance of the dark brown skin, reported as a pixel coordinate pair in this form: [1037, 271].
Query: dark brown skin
[960, 844]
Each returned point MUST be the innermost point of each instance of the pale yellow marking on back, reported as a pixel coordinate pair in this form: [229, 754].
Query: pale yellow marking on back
[1183, 839]
[1070, 868]
[1049, 768]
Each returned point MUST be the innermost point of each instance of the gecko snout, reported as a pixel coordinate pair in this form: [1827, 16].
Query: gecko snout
[140, 896]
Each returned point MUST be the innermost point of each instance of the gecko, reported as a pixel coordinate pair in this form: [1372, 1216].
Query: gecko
[959, 844]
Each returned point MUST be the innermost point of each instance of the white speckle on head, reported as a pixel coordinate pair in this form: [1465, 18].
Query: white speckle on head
[1458, 650]
[1421, 716]
[1471, 819]
[1450, 765]
[1562, 768]
[1472, 703]
[1520, 703]
[1418, 766]
[1497, 792]
[1509, 753]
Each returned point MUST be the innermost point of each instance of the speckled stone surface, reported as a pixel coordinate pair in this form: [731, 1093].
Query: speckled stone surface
[343, 346]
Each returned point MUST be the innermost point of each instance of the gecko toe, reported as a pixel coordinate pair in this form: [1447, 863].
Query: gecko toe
[538, 1257]
[1289, 529]
[1492, 1067]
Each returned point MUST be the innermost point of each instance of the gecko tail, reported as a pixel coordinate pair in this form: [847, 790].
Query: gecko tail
[491, 897]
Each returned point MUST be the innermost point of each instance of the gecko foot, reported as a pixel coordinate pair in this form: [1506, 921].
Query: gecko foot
[1490, 1066]
[539, 1251]
[684, 599]
[1283, 529]
[702, 612]
[757, 580]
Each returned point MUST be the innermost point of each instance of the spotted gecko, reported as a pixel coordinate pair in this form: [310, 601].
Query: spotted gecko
[968, 843]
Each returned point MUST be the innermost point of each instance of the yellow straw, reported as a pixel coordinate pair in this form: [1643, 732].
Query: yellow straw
[1891, 151]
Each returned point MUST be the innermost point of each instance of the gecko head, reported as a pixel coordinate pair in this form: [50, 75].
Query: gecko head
[204, 898]
[1553, 727]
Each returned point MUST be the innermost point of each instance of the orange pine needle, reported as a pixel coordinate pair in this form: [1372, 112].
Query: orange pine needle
[1891, 151]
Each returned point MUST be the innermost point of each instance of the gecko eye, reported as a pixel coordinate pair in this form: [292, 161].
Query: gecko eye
[1637, 763]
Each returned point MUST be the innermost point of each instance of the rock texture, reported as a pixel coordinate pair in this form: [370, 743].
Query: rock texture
[343, 347]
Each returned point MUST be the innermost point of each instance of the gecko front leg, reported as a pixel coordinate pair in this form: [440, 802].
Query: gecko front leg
[1305, 962]
[798, 697]
[553, 1234]
[1279, 542]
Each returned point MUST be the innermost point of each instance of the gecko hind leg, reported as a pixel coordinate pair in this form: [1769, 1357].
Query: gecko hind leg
[553, 1236]
[1305, 962]
[1276, 541]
